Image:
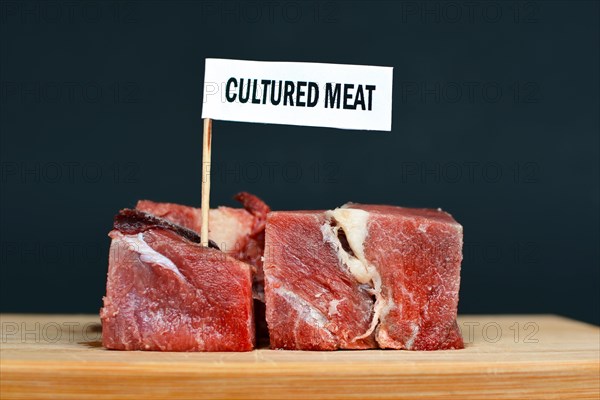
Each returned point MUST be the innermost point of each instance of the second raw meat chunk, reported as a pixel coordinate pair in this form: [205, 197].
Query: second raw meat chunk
[363, 276]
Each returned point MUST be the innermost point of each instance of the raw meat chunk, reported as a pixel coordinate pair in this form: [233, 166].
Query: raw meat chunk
[239, 232]
[166, 292]
[363, 276]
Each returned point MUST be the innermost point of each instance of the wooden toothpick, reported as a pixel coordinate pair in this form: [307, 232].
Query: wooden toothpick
[206, 146]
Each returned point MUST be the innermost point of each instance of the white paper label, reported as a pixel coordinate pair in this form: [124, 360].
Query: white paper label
[296, 93]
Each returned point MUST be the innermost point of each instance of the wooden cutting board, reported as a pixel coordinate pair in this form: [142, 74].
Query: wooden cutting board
[509, 356]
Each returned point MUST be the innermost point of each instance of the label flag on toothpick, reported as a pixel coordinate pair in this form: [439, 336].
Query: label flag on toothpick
[298, 93]
[291, 93]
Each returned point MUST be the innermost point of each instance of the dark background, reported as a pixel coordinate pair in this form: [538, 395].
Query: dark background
[495, 119]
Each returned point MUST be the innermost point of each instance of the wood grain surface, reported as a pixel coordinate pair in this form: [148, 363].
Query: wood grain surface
[508, 356]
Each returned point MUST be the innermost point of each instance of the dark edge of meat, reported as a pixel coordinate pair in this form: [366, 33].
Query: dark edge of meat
[135, 221]
[255, 206]
[259, 210]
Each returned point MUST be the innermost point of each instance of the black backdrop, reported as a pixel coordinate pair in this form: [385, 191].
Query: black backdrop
[495, 119]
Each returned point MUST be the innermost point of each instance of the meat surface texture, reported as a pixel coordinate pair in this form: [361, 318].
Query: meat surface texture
[229, 227]
[363, 276]
[167, 293]
[237, 231]
[240, 232]
[311, 302]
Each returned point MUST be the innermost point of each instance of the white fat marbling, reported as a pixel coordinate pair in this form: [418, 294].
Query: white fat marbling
[305, 310]
[333, 305]
[354, 223]
[413, 336]
[136, 243]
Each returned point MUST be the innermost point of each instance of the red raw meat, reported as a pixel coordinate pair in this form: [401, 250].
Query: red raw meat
[239, 232]
[311, 303]
[166, 292]
[363, 276]
[229, 227]
[254, 248]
